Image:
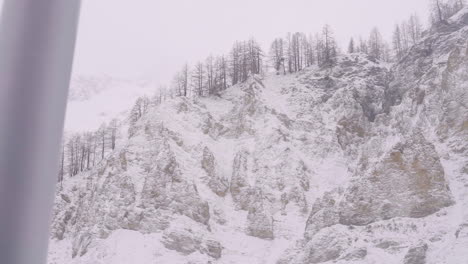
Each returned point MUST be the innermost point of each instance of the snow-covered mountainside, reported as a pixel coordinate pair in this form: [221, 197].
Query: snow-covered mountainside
[95, 100]
[362, 163]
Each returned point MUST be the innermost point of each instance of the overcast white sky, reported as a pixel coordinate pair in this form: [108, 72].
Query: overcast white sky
[151, 39]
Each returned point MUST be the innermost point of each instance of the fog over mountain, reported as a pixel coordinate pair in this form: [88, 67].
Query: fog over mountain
[152, 39]
[308, 150]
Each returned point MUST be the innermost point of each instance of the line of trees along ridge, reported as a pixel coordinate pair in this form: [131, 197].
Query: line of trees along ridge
[286, 55]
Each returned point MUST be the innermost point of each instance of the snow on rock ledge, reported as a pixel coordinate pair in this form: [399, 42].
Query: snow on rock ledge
[353, 164]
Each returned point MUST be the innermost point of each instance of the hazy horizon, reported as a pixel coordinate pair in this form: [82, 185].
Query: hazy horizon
[151, 40]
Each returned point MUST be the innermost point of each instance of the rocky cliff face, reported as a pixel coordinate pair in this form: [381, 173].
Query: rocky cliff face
[361, 163]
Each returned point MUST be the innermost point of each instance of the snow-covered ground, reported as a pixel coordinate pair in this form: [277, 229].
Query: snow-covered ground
[363, 163]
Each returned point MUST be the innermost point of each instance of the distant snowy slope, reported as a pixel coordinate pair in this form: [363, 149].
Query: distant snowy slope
[94, 100]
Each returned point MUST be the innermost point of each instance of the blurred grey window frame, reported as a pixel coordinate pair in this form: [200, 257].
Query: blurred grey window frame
[37, 42]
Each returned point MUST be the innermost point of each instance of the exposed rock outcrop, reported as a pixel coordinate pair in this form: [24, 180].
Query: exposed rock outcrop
[342, 165]
[416, 255]
[409, 181]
